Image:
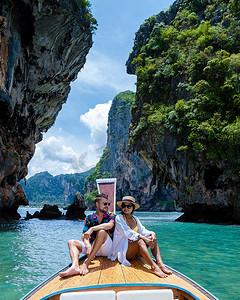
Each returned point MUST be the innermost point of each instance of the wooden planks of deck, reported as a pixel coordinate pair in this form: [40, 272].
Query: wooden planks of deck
[104, 272]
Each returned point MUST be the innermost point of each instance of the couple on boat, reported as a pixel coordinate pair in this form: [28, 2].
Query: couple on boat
[121, 237]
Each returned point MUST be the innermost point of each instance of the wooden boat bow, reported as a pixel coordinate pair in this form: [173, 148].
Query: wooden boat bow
[111, 275]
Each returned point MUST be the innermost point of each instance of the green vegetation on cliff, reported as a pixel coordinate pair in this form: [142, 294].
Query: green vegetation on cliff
[43, 188]
[97, 172]
[188, 79]
[120, 102]
[86, 5]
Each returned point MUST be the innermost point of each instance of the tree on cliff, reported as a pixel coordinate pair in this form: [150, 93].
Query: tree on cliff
[187, 62]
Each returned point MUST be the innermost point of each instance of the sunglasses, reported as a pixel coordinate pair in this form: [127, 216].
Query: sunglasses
[106, 203]
[127, 205]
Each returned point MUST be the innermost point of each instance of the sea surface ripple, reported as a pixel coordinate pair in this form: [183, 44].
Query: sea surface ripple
[33, 250]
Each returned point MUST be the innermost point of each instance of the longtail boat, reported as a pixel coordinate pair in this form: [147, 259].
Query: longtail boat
[109, 280]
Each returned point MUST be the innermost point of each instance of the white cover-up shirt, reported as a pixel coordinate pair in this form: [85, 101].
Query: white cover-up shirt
[122, 234]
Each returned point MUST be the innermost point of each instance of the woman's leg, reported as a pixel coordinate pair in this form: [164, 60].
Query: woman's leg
[157, 254]
[140, 247]
[133, 250]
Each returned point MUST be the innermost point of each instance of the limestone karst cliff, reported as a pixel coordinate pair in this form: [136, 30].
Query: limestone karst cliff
[185, 120]
[43, 45]
[44, 188]
[133, 176]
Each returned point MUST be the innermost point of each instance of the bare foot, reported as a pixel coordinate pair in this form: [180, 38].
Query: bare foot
[84, 269]
[157, 271]
[70, 272]
[165, 269]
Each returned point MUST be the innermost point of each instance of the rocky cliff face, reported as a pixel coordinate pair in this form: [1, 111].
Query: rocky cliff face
[133, 176]
[43, 45]
[43, 188]
[185, 119]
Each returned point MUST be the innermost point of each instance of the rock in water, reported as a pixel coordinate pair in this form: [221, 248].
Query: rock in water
[43, 46]
[49, 212]
[76, 210]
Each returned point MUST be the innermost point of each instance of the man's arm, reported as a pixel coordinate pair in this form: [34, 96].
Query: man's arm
[104, 226]
[87, 244]
[86, 241]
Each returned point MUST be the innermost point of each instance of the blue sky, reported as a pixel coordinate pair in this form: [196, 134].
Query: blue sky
[78, 137]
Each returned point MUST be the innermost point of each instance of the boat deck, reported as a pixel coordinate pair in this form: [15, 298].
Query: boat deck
[109, 275]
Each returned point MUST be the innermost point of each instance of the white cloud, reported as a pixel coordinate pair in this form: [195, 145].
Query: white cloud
[54, 149]
[61, 153]
[96, 119]
[58, 156]
[103, 71]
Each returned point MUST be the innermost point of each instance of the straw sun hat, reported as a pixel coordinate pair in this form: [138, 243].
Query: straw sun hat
[128, 199]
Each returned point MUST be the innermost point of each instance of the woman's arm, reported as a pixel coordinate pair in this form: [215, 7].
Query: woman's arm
[148, 240]
[141, 229]
[145, 235]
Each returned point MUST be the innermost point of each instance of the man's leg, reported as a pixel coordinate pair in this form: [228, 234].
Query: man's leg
[100, 239]
[156, 253]
[74, 248]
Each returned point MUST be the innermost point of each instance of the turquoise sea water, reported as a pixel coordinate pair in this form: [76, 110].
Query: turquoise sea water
[33, 250]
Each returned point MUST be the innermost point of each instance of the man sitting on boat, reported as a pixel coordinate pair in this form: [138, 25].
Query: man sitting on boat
[132, 239]
[96, 237]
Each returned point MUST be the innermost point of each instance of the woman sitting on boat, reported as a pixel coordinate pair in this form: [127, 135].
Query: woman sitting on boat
[132, 239]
